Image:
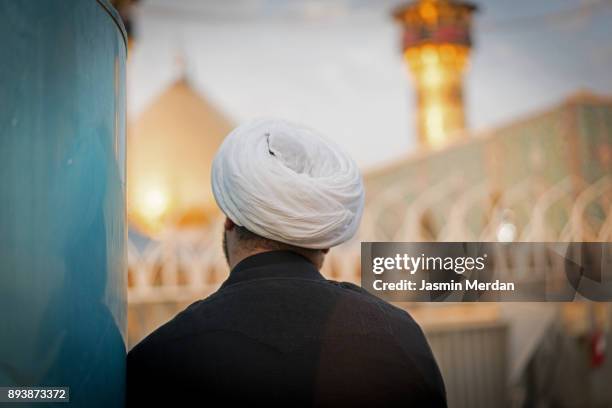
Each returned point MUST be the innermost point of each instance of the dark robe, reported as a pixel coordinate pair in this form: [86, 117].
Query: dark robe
[277, 333]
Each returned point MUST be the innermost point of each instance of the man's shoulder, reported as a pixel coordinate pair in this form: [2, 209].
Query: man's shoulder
[362, 295]
[179, 326]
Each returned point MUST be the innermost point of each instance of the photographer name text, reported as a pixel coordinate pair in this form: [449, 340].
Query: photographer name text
[410, 265]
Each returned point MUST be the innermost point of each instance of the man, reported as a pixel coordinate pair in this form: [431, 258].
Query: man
[277, 333]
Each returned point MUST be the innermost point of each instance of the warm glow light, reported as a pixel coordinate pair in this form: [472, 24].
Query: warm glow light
[429, 56]
[437, 70]
[433, 77]
[153, 204]
[428, 12]
[434, 121]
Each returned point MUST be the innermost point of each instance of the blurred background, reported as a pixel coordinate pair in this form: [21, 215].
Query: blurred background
[484, 121]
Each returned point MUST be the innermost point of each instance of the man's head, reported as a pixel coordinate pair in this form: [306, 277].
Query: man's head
[284, 187]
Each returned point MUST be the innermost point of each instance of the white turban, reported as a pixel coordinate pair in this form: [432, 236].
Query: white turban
[286, 182]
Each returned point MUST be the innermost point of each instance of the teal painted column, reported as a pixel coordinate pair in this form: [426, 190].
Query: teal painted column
[62, 199]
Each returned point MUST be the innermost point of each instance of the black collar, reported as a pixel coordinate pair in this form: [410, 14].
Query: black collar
[273, 264]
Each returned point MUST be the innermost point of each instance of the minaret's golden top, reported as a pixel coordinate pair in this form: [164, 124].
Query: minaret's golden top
[436, 46]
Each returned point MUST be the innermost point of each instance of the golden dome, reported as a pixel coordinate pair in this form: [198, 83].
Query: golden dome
[170, 150]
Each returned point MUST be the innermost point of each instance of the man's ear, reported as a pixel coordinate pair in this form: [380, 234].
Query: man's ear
[229, 224]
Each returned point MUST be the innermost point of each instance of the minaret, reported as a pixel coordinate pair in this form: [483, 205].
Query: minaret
[436, 46]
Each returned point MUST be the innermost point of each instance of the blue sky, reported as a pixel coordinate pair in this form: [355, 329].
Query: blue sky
[336, 65]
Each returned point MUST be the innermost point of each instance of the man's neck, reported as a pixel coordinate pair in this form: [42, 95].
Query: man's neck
[241, 255]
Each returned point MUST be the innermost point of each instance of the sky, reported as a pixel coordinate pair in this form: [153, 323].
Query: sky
[336, 65]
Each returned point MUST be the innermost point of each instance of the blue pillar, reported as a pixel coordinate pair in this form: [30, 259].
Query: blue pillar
[62, 198]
